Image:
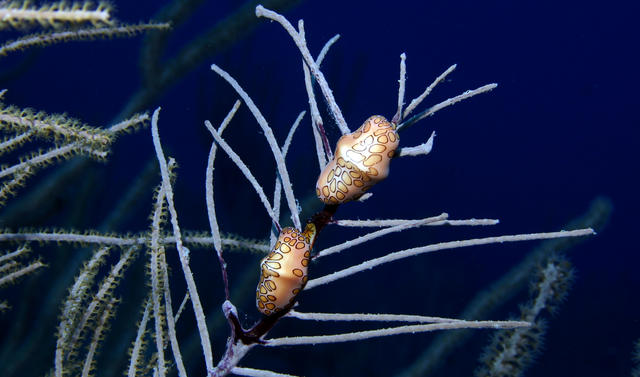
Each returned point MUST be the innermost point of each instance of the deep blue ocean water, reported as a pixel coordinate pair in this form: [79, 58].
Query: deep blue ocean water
[560, 130]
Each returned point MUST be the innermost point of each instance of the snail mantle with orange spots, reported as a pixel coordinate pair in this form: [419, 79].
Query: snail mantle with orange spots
[361, 160]
[283, 273]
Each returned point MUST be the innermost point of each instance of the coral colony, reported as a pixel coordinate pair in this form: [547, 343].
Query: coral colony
[347, 173]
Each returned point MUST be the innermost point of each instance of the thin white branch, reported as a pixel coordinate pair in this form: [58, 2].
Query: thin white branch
[323, 149]
[72, 306]
[47, 15]
[316, 119]
[156, 249]
[273, 144]
[88, 32]
[277, 190]
[15, 140]
[442, 246]
[239, 371]
[454, 100]
[171, 320]
[9, 266]
[128, 123]
[379, 233]
[12, 118]
[245, 171]
[122, 241]
[159, 262]
[21, 272]
[182, 305]
[369, 317]
[98, 299]
[401, 84]
[395, 222]
[364, 197]
[211, 207]
[416, 101]
[14, 254]
[137, 345]
[292, 130]
[231, 242]
[326, 48]
[97, 336]
[8, 188]
[422, 149]
[313, 66]
[41, 159]
[82, 284]
[182, 251]
[409, 329]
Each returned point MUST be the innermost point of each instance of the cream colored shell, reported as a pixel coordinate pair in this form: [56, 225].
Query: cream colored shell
[361, 160]
[283, 273]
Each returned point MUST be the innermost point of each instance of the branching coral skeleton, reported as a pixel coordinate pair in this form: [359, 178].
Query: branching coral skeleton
[242, 340]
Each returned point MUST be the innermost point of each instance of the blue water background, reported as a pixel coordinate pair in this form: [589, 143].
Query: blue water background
[561, 129]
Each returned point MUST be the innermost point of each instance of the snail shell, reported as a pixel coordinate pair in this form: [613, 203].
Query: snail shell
[361, 160]
[283, 273]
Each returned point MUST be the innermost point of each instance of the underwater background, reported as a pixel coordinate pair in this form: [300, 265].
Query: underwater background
[558, 137]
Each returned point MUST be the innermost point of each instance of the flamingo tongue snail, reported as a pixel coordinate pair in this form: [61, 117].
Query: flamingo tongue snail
[284, 270]
[361, 160]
